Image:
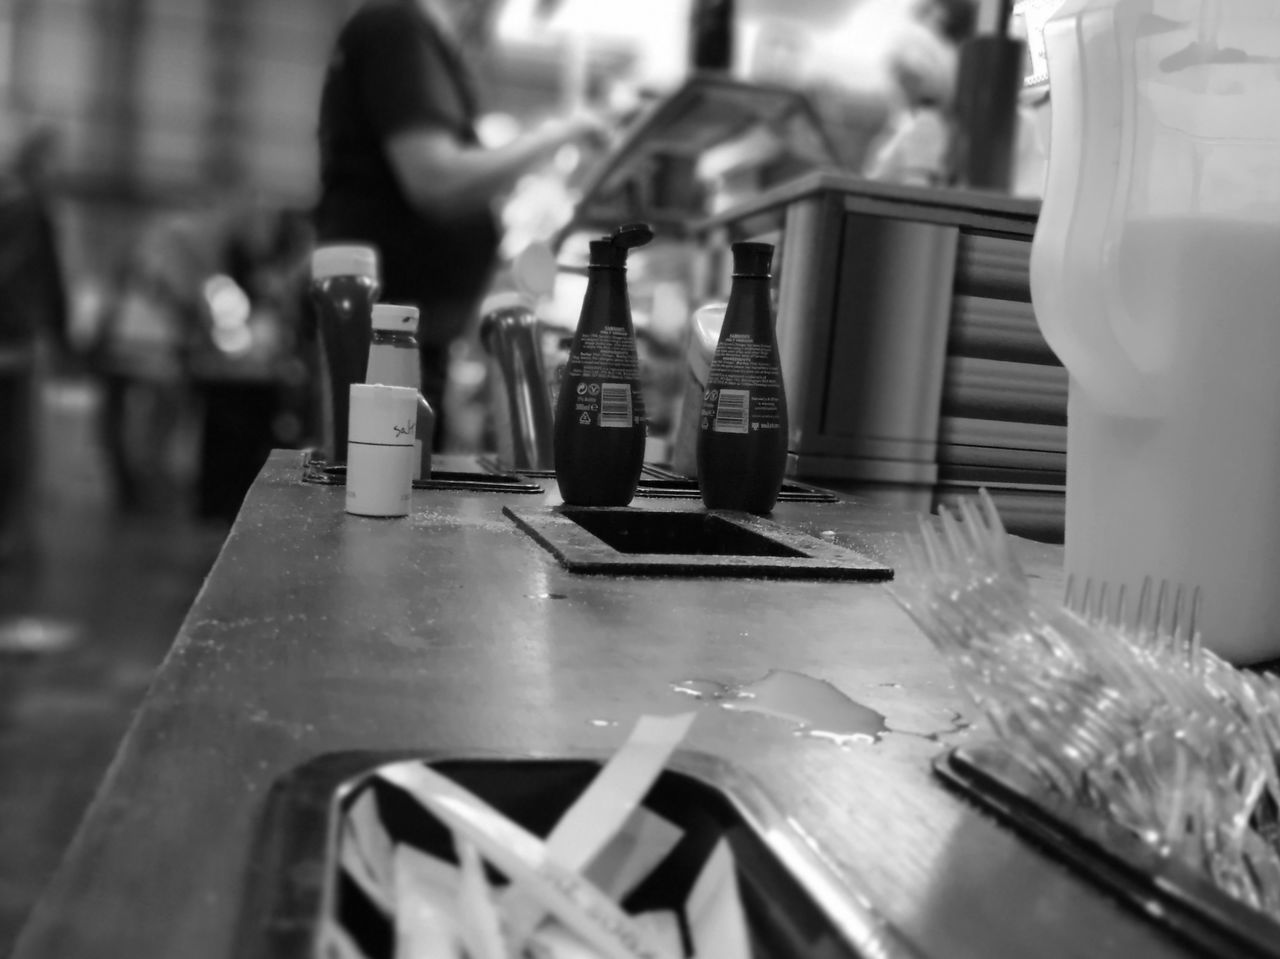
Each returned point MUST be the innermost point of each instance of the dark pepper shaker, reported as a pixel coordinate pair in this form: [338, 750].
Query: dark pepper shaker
[344, 287]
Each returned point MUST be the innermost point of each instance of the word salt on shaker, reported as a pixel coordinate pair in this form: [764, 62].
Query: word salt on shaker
[380, 449]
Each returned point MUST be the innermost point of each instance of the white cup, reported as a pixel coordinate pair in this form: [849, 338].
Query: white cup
[380, 449]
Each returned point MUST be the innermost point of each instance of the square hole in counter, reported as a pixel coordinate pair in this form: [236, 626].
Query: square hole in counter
[621, 540]
[697, 534]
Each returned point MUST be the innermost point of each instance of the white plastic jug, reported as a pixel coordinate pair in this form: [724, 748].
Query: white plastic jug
[704, 334]
[1155, 276]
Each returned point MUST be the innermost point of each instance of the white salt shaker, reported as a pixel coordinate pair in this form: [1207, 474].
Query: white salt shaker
[380, 449]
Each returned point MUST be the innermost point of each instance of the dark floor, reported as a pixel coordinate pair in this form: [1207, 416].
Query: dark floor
[118, 587]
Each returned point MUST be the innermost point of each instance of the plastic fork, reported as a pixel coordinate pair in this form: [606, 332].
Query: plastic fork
[1116, 707]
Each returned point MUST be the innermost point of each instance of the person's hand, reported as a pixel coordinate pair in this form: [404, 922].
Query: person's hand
[588, 128]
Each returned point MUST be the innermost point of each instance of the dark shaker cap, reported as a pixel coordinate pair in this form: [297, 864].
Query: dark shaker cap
[612, 250]
[752, 259]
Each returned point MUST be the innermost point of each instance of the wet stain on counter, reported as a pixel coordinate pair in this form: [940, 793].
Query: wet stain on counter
[817, 709]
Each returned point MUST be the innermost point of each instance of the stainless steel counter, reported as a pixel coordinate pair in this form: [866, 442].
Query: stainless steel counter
[453, 632]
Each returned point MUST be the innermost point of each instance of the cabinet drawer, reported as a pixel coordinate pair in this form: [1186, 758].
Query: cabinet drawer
[997, 330]
[994, 265]
[998, 390]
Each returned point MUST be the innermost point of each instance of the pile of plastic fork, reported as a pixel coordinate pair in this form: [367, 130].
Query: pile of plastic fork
[1117, 709]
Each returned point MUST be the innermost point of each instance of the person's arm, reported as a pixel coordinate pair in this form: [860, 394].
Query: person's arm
[443, 177]
[53, 286]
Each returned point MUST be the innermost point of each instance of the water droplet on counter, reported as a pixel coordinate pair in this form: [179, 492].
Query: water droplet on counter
[819, 710]
[701, 689]
[843, 740]
[958, 725]
[545, 596]
[889, 685]
[603, 723]
[37, 635]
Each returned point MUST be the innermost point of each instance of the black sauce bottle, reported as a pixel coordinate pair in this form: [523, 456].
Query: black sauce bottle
[600, 422]
[742, 439]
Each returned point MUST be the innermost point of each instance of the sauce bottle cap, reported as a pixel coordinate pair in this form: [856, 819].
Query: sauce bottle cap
[612, 250]
[631, 235]
[393, 316]
[752, 259]
[385, 415]
[344, 260]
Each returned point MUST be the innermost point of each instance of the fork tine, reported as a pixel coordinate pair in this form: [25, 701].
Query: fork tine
[934, 549]
[976, 534]
[1118, 617]
[1162, 606]
[1144, 605]
[995, 544]
[1178, 619]
[955, 539]
[916, 558]
[998, 536]
[993, 521]
[1194, 659]
[1100, 605]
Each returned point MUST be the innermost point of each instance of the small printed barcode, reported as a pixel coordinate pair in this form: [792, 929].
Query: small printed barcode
[731, 411]
[615, 404]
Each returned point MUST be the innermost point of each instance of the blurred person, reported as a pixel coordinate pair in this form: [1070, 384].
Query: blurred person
[401, 166]
[953, 20]
[886, 67]
[33, 314]
[250, 367]
[916, 145]
[201, 355]
[142, 359]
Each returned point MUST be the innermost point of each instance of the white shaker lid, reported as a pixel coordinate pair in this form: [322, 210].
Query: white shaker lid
[344, 260]
[384, 415]
[504, 300]
[393, 316]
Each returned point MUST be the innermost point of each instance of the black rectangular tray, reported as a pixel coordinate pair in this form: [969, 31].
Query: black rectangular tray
[1167, 891]
[319, 472]
[797, 903]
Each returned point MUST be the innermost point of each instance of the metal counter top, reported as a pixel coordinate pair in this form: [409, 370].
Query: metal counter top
[452, 631]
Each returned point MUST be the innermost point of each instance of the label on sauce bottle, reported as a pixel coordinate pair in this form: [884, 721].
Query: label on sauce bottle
[744, 387]
[603, 375]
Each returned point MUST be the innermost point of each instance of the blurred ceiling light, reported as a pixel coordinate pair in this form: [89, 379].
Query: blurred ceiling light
[233, 341]
[651, 36]
[497, 129]
[642, 24]
[619, 19]
[229, 306]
